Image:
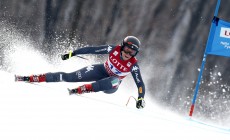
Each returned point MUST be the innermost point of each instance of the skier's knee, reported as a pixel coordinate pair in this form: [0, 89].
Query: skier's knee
[110, 91]
[49, 77]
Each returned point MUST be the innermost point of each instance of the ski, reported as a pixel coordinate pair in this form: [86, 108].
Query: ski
[72, 91]
[18, 78]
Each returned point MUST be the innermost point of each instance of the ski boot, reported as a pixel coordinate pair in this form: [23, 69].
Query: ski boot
[33, 78]
[81, 89]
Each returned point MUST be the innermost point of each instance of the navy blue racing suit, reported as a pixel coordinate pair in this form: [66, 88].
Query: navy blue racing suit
[103, 80]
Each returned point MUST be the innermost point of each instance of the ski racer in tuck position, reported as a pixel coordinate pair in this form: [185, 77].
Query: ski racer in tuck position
[107, 76]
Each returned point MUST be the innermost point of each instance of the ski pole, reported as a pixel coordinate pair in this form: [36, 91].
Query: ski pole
[130, 98]
[82, 57]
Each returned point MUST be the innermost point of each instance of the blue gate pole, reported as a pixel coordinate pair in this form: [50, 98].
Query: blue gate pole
[217, 8]
[197, 84]
[209, 43]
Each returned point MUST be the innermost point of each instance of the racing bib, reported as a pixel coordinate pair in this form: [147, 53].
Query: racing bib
[115, 66]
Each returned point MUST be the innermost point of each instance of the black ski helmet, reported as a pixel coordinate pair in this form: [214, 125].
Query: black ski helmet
[132, 42]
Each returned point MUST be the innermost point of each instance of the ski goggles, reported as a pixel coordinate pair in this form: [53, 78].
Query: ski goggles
[129, 50]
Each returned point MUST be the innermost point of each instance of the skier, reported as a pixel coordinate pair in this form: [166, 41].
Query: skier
[107, 76]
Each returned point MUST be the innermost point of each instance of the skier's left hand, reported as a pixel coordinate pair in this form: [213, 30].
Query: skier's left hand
[66, 56]
[140, 103]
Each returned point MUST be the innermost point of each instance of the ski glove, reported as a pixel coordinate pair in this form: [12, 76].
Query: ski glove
[66, 56]
[140, 103]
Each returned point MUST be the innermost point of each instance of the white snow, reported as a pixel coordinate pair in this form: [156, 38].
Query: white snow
[46, 112]
[219, 74]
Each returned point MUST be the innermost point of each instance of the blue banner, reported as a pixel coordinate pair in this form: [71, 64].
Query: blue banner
[219, 38]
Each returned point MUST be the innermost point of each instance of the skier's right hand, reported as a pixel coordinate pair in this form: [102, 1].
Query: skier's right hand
[66, 56]
[140, 103]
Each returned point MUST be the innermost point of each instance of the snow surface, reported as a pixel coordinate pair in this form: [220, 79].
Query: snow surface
[45, 111]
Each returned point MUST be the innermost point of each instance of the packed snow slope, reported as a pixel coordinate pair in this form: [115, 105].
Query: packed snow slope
[45, 111]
